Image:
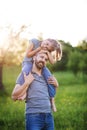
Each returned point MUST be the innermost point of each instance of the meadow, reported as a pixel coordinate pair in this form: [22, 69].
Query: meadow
[70, 99]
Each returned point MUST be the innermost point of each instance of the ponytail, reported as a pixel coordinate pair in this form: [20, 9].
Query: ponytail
[57, 48]
[58, 52]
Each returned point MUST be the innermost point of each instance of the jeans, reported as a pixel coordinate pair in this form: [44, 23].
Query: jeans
[26, 67]
[39, 121]
[46, 73]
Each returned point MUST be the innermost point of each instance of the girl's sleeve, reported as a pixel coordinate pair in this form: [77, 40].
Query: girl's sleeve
[35, 42]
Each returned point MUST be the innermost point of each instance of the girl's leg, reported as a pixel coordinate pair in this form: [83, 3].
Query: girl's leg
[26, 67]
[46, 73]
[51, 88]
[53, 106]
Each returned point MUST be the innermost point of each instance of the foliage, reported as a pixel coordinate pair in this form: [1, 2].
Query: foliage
[62, 65]
[83, 64]
[14, 47]
[74, 60]
[83, 44]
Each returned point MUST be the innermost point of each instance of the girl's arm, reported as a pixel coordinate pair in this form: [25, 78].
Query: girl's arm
[30, 52]
[51, 58]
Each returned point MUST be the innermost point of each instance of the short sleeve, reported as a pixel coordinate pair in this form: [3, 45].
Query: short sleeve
[20, 79]
[35, 42]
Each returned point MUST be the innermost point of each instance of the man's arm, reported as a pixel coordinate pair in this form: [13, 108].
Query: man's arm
[19, 90]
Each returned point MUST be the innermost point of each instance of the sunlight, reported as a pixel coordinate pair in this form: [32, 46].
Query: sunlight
[3, 37]
[66, 21]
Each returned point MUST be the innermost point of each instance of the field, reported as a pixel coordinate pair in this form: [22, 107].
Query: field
[71, 102]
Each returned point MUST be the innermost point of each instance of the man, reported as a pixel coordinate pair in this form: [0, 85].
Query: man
[38, 107]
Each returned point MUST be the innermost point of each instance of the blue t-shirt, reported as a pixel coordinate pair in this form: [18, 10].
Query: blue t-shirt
[38, 100]
[36, 44]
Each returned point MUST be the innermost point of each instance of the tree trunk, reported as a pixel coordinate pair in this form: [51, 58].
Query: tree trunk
[1, 75]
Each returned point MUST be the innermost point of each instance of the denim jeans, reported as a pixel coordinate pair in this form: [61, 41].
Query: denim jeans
[39, 121]
[46, 73]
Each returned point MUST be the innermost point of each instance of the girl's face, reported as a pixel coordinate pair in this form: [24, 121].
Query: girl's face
[47, 45]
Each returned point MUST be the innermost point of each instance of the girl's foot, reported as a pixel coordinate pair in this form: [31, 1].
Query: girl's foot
[54, 108]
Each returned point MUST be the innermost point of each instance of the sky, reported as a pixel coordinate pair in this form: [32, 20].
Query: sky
[61, 19]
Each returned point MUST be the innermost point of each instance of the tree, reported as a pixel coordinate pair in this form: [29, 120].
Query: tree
[83, 65]
[83, 45]
[66, 49]
[12, 48]
[74, 61]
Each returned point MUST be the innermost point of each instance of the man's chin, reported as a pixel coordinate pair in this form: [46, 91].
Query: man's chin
[40, 65]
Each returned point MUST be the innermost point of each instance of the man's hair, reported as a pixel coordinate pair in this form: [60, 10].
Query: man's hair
[40, 52]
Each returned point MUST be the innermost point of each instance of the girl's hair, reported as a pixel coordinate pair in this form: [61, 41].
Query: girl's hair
[57, 47]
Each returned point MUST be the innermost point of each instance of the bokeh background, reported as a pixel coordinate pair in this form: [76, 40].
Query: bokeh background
[64, 20]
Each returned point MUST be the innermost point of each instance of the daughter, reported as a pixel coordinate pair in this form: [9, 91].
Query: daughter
[49, 46]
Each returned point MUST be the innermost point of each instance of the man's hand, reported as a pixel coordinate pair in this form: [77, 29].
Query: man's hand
[28, 78]
[52, 80]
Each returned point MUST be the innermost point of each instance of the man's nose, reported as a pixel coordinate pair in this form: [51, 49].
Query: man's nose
[45, 45]
[43, 60]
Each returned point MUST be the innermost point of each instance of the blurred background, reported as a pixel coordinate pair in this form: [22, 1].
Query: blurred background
[63, 20]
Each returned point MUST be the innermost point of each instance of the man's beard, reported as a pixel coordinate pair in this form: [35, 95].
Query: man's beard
[39, 64]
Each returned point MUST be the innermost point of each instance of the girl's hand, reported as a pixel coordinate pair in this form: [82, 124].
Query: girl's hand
[44, 51]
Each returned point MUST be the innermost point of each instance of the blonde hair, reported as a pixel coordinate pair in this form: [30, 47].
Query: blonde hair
[57, 48]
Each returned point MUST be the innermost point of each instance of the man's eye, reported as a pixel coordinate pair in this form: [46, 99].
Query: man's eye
[46, 59]
[41, 57]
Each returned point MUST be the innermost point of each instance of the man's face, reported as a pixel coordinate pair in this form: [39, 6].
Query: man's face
[40, 60]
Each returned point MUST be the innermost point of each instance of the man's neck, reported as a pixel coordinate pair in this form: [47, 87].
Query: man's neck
[36, 70]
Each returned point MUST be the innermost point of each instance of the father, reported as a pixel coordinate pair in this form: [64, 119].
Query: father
[38, 108]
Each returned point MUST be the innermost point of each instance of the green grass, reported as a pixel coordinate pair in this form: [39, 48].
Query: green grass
[71, 103]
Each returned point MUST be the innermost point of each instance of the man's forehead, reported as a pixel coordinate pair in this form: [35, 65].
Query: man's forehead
[42, 54]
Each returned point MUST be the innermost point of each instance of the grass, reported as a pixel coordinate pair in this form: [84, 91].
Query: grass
[71, 103]
[72, 108]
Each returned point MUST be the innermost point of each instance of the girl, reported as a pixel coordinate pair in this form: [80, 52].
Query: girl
[48, 45]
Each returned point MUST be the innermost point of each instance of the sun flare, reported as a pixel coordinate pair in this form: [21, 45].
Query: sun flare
[3, 37]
